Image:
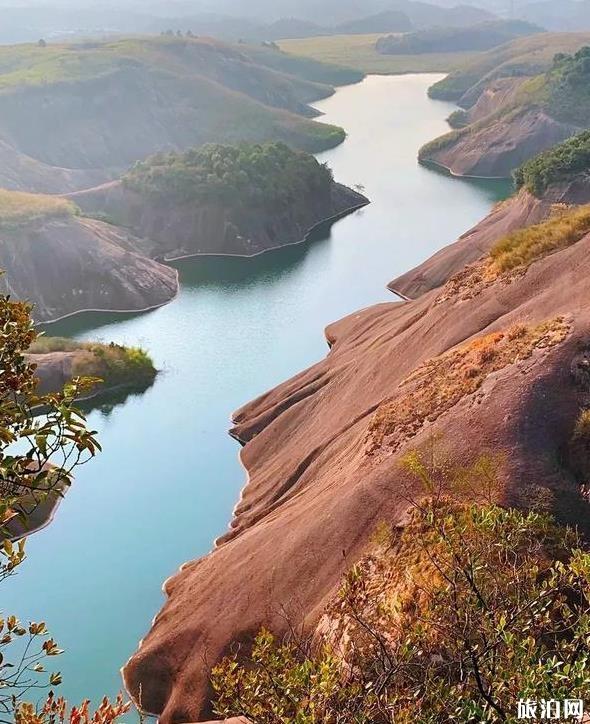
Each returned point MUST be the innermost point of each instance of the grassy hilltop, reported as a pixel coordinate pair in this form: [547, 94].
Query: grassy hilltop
[197, 90]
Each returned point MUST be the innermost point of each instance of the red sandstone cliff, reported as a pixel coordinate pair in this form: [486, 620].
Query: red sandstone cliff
[504, 370]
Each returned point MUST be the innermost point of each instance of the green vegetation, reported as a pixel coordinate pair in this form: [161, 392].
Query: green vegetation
[29, 64]
[470, 609]
[113, 364]
[221, 93]
[18, 208]
[569, 82]
[267, 175]
[437, 144]
[39, 456]
[303, 67]
[560, 163]
[580, 447]
[360, 52]
[523, 247]
[482, 36]
[458, 119]
[526, 57]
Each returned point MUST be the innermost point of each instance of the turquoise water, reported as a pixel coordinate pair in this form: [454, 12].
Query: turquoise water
[169, 476]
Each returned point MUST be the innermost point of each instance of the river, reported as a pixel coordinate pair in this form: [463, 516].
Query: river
[169, 476]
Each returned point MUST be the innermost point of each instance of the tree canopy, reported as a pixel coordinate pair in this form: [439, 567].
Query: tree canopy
[254, 175]
[560, 163]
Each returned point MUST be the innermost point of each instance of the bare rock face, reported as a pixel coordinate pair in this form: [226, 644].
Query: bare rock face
[20, 172]
[323, 455]
[517, 212]
[494, 148]
[67, 265]
[497, 94]
[171, 230]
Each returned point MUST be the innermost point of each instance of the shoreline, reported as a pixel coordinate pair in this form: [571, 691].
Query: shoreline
[449, 172]
[168, 260]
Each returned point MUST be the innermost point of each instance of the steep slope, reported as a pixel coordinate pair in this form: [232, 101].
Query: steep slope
[64, 264]
[322, 453]
[512, 120]
[222, 200]
[95, 108]
[527, 57]
[551, 181]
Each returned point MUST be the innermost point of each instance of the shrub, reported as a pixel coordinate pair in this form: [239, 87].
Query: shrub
[466, 612]
[39, 455]
[458, 119]
[560, 163]
[580, 447]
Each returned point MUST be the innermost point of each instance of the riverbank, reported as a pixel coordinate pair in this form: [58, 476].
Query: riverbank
[236, 328]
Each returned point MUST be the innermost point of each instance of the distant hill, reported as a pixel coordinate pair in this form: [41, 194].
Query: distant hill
[74, 115]
[481, 36]
[569, 15]
[523, 57]
[515, 112]
[231, 21]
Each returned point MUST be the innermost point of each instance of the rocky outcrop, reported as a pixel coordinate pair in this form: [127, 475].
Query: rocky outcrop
[517, 212]
[498, 144]
[323, 454]
[497, 94]
[71, 264]
[170, 230]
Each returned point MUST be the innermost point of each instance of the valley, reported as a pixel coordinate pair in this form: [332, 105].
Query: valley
[229, 315]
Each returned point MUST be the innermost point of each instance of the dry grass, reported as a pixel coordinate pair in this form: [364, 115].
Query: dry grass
[580, 447]
[440, 383]
[359, 52]
[514, 254]
[523, 247]
[18, 208]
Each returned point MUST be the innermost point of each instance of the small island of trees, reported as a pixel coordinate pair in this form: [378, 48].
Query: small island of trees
[268, 175]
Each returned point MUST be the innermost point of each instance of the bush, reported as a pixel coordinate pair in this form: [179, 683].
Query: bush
[458, 119]
[558, 164]
[18, 208]
[39, 456]
[467, 612]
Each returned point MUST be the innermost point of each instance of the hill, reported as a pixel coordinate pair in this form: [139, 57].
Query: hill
[82, 108]
[512, 119]
[360, 52]
[218, 199]
[567, 15]
[64, 263]
[482, 36]
[526, 57]
[499, 346]
[235, 200]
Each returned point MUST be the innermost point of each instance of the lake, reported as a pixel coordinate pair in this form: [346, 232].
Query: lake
[169, 476]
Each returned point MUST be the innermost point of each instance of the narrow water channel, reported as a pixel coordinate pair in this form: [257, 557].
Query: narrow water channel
[169, 476]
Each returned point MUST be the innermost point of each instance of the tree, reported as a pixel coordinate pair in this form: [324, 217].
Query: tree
[38, 456]
[42, 43]
[469, 610]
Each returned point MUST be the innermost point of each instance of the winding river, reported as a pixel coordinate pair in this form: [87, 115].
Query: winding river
[169, 476]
